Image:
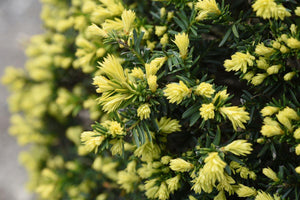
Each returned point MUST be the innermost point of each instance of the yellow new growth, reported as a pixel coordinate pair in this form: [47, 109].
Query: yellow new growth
[182, 42]
[180, 165]
[104, 85]
[144, 111]
[137, 73]
[152, 82]
[151, 70]
[239, 61]
[236, 115]
[297, 11]
[286, 115]
[274, 69]
[244, 191]
[293, 43]
[205, 89]
[269, 110]
[95, 30]
[154, 66]
[128, 17]
[269, 9]
[262, 50]
[110, 25]
[268, 172]
[297, 133]
[163, 192]
[221, 95]
[207, 111]
[173, 183]
[127, 180]
[297, 169]
[176, 92]
[239, 147]
[263, 196]
[297, 150]
[271, 128]
[117, 88]
[115, 129]
[212, 171]
[111, 103]
[206, 8]
[148, 152]
[160, 30]
[258, 78]
[112, 68]
[168, 125]
[91, 141]
[289, 76]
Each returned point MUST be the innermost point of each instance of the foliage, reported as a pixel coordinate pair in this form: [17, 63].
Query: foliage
[178, 99]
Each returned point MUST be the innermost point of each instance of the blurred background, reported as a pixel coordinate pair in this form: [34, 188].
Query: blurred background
[19, 20]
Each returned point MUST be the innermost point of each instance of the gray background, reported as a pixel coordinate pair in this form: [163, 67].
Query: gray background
[19, 19]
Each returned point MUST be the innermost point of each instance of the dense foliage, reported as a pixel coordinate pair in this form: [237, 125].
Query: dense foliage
[178, 99]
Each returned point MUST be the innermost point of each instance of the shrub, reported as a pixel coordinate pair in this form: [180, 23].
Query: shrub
[178, 99]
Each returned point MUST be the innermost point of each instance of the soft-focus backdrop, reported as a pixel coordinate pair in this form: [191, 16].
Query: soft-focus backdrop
[19, 19]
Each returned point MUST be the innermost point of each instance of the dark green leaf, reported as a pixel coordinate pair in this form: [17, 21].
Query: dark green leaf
[145, 126]
[287, 193]
[225, 38]
[235, 32]
[273, 150]
[217, 137]
[136, 139]
[234, 158]
[141, 134]
[190, 111]
[228, 170]
[194, 118]
[263, 150]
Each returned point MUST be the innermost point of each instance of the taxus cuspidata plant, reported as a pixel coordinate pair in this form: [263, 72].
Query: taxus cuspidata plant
[175, 99]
